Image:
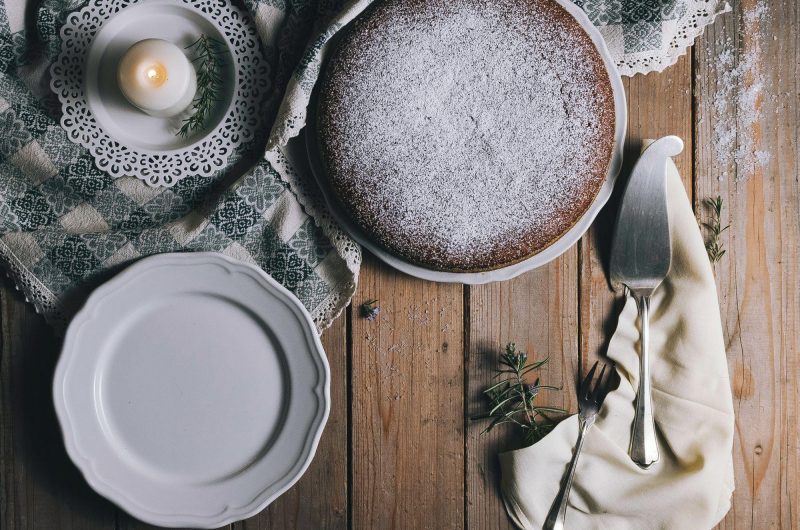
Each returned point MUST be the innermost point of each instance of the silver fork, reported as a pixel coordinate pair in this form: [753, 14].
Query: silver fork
[590, 399]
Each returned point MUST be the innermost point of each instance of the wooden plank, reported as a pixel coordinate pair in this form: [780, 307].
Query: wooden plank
[407, 426]
[408, 447]
[539, 312]
[319, 499]
[127, 522]
[759, 276]
[659, 104]
[39, 486]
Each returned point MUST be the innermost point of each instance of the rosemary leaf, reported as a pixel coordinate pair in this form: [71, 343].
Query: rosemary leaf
[495, 386]
[714, 227]
[208, 65]
[511, 400]
[501, 404]
[554, 410]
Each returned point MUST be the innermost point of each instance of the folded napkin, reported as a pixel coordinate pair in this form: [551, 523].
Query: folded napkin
[691, 485]
[66, 226]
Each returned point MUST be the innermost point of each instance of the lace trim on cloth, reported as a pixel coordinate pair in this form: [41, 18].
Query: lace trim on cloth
[294, 108]
[335, 261]
[40, 297]
[691, 25]
[291, 119]
[344, 263]
[698, 14]
[344, 285]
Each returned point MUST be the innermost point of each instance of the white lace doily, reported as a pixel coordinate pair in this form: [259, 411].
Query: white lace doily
[125, 141]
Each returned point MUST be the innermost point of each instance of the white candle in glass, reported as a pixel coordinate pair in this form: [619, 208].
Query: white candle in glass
[156, 76]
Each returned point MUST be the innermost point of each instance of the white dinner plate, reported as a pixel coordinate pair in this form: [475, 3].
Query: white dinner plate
[192, 390]
[505, 273]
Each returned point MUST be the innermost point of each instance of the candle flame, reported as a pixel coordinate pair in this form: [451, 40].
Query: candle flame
[156, 75]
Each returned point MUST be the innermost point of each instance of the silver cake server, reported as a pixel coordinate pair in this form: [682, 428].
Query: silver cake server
[641, 253]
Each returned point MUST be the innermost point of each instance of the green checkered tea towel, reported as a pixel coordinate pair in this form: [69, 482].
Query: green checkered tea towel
[66, 226]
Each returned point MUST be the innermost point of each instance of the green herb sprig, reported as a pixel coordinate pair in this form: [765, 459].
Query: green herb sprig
[715, 229]
[511, 400]
[208, 53]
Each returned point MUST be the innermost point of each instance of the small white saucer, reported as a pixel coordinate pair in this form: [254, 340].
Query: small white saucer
[192, 390]
[125, 140]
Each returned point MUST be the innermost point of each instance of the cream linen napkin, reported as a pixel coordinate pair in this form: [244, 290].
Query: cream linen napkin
[691, 485]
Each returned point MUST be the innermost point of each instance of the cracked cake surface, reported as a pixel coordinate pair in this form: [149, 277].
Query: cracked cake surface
[465, 135]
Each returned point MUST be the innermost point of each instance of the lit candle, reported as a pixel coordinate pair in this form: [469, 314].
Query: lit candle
[156, 76]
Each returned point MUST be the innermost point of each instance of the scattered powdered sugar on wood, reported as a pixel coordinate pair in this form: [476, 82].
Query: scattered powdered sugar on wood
[466, 126]
[738, 97]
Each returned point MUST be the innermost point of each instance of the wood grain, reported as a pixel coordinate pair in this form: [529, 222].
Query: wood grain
[319, 499]
[407, 426]
[399, 450]
[538, 311]
[39, 486]
[759, 277]
[659, 104]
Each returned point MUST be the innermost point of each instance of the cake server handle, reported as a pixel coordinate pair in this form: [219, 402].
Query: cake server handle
[644, 448]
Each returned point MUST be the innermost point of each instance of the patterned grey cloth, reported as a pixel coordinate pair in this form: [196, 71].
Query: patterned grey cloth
[65, 225]
[649, 35]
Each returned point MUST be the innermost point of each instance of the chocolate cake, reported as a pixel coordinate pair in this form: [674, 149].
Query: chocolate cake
[465, 135]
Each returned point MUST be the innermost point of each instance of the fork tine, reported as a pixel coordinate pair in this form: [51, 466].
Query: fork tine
[586, 386]
[598, 385]
[609, 383]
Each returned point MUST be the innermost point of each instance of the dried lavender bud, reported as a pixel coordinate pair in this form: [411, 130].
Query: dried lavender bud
[370, 310]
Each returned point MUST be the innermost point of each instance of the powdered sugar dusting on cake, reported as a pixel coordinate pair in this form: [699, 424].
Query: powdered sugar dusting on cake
[466, 134]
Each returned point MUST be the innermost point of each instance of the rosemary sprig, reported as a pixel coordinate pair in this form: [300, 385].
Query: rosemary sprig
[511, 400]
[208, 64]
[715, 229]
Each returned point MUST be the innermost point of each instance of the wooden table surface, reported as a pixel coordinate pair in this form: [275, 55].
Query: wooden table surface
[399, 450]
